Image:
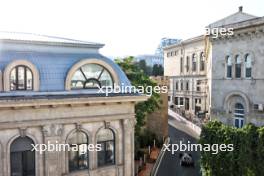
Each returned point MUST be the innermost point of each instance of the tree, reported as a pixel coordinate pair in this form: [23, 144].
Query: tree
[138, 78]
[247, 156]
[157, 70]
[143, 66]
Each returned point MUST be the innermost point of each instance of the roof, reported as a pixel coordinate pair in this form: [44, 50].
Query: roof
[53, 65]
[234, 18]
[19, 37]
[187, 41]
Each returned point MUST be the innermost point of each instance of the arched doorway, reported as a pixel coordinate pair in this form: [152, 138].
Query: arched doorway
[22, 158]
[239, 115]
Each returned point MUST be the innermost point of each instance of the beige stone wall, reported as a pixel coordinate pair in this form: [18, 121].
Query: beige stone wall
[43, 123]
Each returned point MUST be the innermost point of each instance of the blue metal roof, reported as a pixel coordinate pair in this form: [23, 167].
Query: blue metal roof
[53, 67]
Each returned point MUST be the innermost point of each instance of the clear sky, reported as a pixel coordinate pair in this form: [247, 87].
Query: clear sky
[126, 27]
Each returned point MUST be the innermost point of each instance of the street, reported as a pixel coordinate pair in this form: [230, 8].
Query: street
[170, 165]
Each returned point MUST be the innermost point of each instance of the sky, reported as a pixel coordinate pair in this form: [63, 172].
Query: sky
[126, 27]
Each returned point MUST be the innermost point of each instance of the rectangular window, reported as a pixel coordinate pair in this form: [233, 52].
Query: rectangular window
[229, 71]
[176, 101]
[177, 85]
[187, 85]
[169, 98]
[181, 65]
[181, 101]
[238, 70]
[248, 72]
[187, 104]
[181, 85]
[198, 86]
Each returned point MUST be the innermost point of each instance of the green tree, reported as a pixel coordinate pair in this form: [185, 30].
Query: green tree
[137, 78]
[245, 160]
[157, 70]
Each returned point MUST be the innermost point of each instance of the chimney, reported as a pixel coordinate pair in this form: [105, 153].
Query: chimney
[240, 8]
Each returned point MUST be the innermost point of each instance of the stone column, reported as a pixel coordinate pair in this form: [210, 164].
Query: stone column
[128, 146]
[53, 159]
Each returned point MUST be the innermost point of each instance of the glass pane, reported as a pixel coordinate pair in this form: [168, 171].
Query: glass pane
[29, 80]
[110, 159]
[237, 123]
[101, 155]
[92, 70]
[78, 138]
[106, 79]
[105, 135]
[83, 156]
[13, 79]
[21, 78]
[73, 160]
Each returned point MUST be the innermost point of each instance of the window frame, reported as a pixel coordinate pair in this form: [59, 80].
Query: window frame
[245, 66]
[16, 85]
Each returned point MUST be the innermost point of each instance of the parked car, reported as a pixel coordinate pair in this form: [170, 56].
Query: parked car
[186, 160]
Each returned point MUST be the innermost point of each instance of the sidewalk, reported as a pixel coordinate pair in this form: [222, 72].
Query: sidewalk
[183, 124]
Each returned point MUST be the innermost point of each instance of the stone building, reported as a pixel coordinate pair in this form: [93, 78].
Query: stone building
[233, 76]
[49, 95]
[186, 68]
[236, 71]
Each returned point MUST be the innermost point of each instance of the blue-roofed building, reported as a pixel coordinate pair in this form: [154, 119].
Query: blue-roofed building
[52, 94]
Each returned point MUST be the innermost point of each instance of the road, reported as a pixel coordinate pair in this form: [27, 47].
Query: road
[170, 164]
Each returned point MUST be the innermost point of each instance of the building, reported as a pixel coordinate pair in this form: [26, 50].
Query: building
[49, 95]
[150, 60]
[233, 79]
[186, 68]
[236, 71]
[164, 42]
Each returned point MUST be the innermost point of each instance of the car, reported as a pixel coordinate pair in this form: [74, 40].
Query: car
[186, 160]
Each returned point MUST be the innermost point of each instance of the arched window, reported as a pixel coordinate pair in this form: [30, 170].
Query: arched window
[228, 67]
[21, 78]
[187, 63]
[106, 139]
[91, 76]
[22, 157]
[202, 62]
[248, 66]
[239, 113]
[238, 66]
[194, 61]
[78, 154]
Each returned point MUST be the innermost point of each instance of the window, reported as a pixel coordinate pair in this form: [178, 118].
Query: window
[78, 159]
[181, 65]
[22, 157]
[21, 78]
[198, 86]
[202, 62]
[228, 67]
[239, 113]
[181, 85]
[176, 100]
[238, 66]
[187, 104]
[169, 98]
[194, 60]
[177, 85]
[187, 85]
[187, 63]
[106, 156]
[91, 76]
[248, 66]
[181, 101]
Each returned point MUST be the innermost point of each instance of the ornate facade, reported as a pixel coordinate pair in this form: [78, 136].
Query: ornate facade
[49, 96]
[234, 75]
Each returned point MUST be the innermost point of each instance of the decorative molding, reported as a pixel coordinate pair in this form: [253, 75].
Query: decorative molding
[52, 130]
[10, 66]
[76, 66]
[23, 132]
